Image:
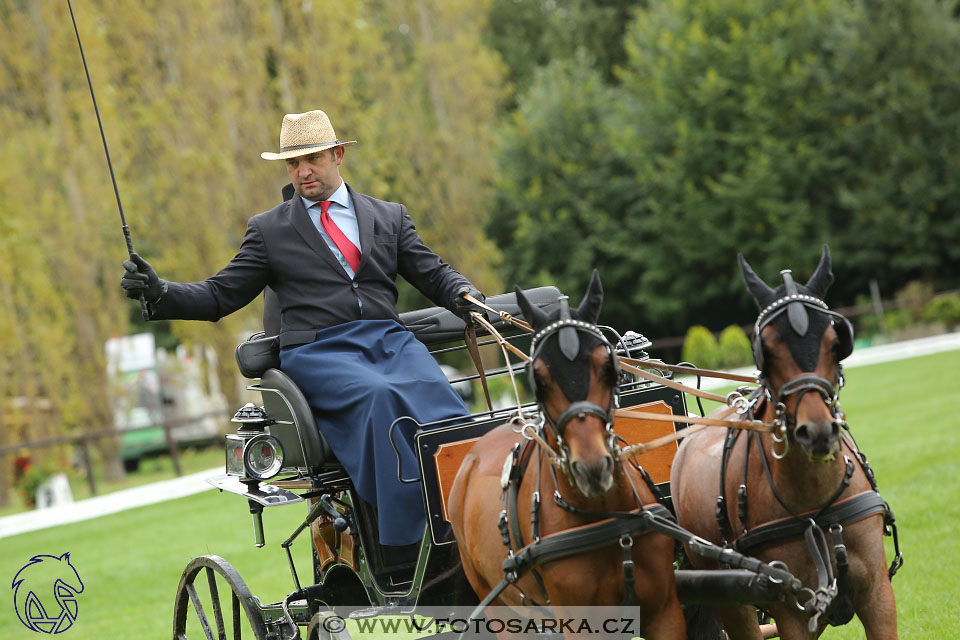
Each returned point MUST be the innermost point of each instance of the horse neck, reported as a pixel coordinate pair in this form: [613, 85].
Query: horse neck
[800, 482]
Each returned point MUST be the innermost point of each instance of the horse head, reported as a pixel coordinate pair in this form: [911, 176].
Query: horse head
[573, 373]
[798, 344]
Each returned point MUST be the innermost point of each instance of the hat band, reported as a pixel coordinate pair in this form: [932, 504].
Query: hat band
[308, 146]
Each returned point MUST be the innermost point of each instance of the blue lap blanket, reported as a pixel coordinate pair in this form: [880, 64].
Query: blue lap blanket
[358, 378]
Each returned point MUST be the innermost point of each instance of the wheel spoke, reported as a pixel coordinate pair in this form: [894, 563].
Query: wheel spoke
[198, 608]
[245, 614]
[236, 616]
[215, 600]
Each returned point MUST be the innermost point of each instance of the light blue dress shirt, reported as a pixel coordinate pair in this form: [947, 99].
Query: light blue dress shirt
[343, 215]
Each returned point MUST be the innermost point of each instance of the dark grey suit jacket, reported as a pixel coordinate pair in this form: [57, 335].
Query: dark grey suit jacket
[282, 249]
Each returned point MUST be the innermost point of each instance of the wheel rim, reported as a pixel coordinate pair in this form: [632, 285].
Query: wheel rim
[199, 597]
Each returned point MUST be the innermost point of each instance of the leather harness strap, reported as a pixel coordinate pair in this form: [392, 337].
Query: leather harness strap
[470, 339]
[576, 540]
[848, 510]
[585, 537]
[510, 516]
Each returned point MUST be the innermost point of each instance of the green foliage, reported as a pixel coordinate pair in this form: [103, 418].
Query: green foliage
[898, 319]
[734, 348]
[34, 475]
[531, 33]
[190, 93]
[912, 299]
[700, 348]
[944, 308]
[756, 126]
[559, 202]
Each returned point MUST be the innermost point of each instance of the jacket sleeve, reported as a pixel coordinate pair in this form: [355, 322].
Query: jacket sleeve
[424, 269]
[232, 288]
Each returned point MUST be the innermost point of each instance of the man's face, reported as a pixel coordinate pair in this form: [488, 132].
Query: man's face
[317, 175]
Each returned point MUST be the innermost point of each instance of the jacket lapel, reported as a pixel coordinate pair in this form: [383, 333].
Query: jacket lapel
[365, 217]
[308, 231]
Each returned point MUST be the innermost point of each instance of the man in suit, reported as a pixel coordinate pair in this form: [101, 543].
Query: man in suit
[332, 255]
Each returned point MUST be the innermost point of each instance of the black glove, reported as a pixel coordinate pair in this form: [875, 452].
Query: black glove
[139, 278]
[464, 307]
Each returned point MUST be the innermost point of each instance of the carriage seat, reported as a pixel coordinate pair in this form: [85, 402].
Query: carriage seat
[284, 402]
[432, 326]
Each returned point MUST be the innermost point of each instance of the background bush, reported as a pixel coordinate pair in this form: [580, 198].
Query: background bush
[701, 348]
[734, 348]
[944, 308]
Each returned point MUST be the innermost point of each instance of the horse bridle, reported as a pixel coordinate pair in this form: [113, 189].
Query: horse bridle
[796, 305]
[568, 331]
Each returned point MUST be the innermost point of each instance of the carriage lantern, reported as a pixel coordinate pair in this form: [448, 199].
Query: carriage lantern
[262, 456]
[250, 452]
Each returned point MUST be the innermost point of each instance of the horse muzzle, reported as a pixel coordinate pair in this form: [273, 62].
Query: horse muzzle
[593, 479]
[819, 439]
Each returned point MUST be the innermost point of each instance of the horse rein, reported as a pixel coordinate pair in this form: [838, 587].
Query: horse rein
[744, 407]
[530, 429]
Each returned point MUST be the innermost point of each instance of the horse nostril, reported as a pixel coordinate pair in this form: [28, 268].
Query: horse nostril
[802, 433]
[836, 428]
[577, 467]
[607, 464]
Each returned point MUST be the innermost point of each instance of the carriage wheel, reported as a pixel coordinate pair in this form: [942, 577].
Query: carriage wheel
[196, 600]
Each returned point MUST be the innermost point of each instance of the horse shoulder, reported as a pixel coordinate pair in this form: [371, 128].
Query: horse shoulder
[478, 478]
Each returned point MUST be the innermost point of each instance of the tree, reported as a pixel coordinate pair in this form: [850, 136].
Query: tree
[760, 127]
[530, 34]
[561, 189]
[772, 127]
[190, 92]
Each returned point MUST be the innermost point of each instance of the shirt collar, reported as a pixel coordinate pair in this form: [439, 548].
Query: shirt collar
[341, 196]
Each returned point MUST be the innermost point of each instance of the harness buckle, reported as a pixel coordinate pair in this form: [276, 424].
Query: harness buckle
[736, 399]
[780, 438]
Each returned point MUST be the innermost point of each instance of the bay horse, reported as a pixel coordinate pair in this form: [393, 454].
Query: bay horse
[571, 454]
[803, 495]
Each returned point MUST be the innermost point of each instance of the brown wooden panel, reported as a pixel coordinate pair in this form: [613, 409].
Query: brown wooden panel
[448, 458]
[634, 431]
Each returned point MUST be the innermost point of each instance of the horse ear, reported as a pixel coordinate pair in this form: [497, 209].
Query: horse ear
[531, 313]
[589, 309]
[822, 278]
[762, 293]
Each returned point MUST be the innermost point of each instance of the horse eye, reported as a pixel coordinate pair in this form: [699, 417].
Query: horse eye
[609, 374]
[539, 380]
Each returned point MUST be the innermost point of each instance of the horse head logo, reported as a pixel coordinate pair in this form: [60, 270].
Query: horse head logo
[45, 593]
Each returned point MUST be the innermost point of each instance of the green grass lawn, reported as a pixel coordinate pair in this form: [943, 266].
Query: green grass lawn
[152, 469]
[901, 413]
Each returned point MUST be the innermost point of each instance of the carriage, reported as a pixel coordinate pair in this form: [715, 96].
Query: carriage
[277, 457]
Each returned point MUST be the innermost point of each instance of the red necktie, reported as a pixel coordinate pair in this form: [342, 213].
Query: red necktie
[347, 248]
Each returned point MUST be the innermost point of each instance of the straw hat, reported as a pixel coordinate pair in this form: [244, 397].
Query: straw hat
[304, 133]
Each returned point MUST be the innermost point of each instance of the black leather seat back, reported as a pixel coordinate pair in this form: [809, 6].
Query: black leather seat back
[259, 357]
[432, 326]
[295, 425]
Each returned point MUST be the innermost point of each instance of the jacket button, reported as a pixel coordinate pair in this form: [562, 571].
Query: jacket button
[356, 285]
